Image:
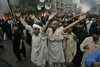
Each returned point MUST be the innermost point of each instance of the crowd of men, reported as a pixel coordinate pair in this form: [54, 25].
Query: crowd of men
[62, 41]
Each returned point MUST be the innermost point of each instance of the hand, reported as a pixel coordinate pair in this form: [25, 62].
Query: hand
[18, 14]
[96, 64]
[52, 15]
[86, 47]
[74, 15]
[32, 16]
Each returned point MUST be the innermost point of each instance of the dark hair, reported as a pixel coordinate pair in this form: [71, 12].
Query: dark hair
[96, 31]
[64, 22]
[15, 25]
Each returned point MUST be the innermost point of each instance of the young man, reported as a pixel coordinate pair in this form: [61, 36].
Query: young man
[31, 19]
[18, 44]
[81, 34]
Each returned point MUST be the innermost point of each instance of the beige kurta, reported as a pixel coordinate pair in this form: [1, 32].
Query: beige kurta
[92, 47]
[70, 48]
[55, 48]
[39, 47]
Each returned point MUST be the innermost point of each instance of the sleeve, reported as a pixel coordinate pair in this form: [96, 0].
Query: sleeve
[43, 34]
[62, 31]
[89, 60]
[29, 28]
[83, 44]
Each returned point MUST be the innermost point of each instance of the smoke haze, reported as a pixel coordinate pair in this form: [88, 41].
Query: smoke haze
[86, 5]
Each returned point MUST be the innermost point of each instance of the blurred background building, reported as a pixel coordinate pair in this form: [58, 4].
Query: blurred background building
[61, 6]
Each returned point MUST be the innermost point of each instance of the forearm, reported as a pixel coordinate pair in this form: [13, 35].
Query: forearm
[48, 22]
[23, 22]
[46, 26]
[71, 25]
[21, 42]
[36, 19]
[70, 19]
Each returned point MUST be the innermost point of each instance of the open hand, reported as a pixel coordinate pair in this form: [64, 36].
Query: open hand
[32, 16]
[18, 14]
[86, 47]
[76, 15]
[96, 64]
[52, 15]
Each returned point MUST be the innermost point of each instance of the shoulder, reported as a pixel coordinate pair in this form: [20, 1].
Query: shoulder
[88, 38]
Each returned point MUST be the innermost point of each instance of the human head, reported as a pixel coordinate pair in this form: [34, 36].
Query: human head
[15, 27]
[54, 25]
[64, 23]
[36, 27]
[95, 33]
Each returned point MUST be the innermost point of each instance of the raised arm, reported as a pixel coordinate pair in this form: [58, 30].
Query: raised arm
[18, 15]
[48, 21]
[74, 23]
[72, 18]
[34, 18]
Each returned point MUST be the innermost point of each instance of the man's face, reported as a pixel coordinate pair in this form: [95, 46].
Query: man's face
[95, 36]
[54, 25]
[15, 28]
[36, 31]
[65, 24]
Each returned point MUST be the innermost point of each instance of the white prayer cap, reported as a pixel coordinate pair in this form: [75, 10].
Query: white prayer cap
[36, 26]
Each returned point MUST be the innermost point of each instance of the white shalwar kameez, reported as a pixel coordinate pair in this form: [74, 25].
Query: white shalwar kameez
[39, 47]
[55, 48]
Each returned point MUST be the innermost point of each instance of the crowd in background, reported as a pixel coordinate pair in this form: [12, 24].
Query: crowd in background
[74, 43]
